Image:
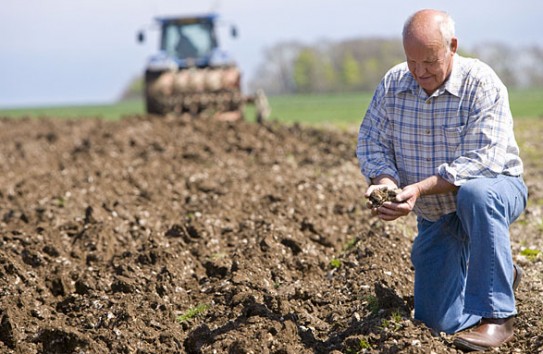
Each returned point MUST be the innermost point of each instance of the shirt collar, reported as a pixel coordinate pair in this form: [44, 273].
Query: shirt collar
[454, 82]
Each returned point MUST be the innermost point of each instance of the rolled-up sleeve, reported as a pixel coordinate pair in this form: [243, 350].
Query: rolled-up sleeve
[483, 149]
[375, 145]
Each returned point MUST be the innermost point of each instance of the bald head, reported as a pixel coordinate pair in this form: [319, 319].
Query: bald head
[430, 45]
[429, 25]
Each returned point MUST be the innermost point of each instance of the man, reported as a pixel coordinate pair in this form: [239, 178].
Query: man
[440, 127]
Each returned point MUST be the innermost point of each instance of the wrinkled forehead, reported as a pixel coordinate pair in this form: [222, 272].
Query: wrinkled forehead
[424, 46]
[424, 34]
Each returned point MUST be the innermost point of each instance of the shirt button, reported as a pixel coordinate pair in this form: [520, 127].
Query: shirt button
[428, 101]
[428, 159]
[427, 131]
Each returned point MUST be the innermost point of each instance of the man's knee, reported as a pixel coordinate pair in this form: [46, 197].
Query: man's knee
[475, 190]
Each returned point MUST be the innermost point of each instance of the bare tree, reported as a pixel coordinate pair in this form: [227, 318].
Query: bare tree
[275, 73]
[502, 58]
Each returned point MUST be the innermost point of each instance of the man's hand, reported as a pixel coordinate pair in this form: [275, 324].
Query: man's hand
[405, 201]
[401, 206]
[380, 195]
[374, 187]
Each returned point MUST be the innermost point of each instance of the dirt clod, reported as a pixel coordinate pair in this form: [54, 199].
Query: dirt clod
[381, 195]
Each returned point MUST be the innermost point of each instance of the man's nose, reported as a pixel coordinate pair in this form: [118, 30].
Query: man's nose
[420, 69]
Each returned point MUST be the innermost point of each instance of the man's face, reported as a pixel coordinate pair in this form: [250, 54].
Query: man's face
[429, 61]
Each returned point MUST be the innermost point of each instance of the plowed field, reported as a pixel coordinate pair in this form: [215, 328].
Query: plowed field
[165, 235]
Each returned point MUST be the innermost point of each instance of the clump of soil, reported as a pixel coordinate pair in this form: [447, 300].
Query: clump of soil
[381, 195]
[166, 235]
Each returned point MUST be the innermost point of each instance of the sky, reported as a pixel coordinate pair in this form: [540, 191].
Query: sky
[58, 52]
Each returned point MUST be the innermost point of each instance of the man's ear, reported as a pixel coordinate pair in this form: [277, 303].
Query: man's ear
[454, 44]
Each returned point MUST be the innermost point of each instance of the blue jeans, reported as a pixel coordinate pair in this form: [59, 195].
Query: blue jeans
[463, 262]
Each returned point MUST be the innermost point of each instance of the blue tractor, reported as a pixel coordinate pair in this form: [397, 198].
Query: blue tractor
[192, 74]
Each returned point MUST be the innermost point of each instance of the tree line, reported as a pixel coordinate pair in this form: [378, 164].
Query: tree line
[359, 64]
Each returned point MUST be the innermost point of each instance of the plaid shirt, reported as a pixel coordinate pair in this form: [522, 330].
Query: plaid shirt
[464, 130]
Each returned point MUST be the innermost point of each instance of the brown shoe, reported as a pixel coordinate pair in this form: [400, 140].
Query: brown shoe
[490, 333]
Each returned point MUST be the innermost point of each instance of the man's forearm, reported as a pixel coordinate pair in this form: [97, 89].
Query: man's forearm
[435, 185]
[384, 179]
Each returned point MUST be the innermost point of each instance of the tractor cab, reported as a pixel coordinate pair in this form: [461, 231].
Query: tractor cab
[189, 41]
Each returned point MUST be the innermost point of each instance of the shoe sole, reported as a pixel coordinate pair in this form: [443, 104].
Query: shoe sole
[468, 346]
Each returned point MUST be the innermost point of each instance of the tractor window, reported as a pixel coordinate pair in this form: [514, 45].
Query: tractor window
[192, 40]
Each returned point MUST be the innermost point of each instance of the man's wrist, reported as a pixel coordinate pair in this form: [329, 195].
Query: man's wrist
[385, 180]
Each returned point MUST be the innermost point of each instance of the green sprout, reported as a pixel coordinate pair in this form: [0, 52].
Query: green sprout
[373, 303]
[218, 255]
[335, 263]
[61, 202]
[192, 312]
[396, 317]
[394, 323]
[530, 253]
[352, 242]
[364, 344]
